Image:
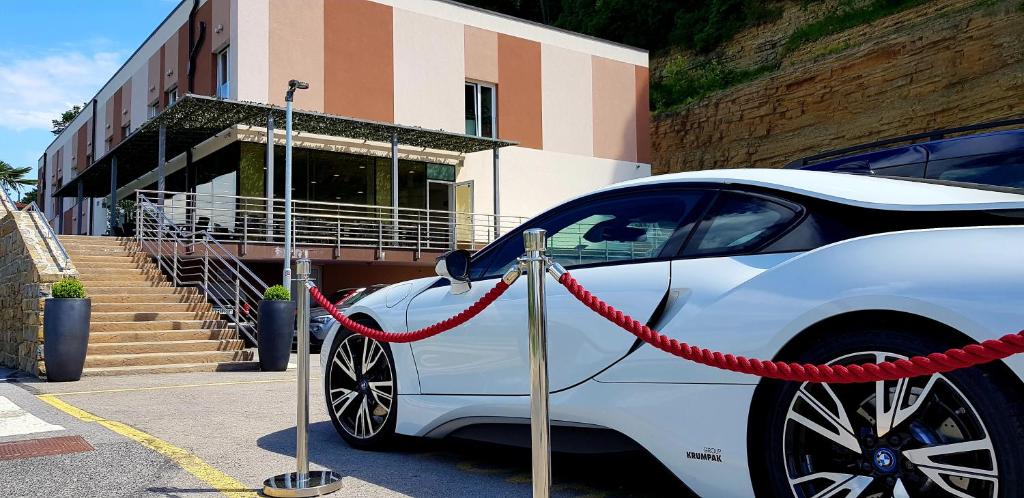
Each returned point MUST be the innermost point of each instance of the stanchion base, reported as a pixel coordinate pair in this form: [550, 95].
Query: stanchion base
[319, 482]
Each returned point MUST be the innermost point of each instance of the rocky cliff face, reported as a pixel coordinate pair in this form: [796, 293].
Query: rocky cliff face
[944, 63]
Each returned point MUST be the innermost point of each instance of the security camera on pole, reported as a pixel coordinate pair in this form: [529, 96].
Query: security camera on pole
[289, 96]
[302, 482]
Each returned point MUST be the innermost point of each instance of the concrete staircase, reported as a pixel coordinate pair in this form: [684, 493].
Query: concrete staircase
[141, 323]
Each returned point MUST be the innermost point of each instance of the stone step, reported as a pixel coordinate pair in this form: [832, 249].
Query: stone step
[127, 264]
[157, 316]
[150, 307]
[87, 259]
[149, 359]
[231, 366]
[101, 280]
[162, 289]
[120, 272]
[162, 335]
[79, 251]
[156, 325]
[69, 240]
[153, 297]
[127, 348]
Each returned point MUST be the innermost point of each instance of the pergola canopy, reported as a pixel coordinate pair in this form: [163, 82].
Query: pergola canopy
[194, 119]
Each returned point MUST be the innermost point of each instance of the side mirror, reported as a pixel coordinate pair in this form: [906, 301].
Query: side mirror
[454, 266]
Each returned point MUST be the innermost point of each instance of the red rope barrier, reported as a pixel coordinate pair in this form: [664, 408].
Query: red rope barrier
[416, 335]
[953, 359]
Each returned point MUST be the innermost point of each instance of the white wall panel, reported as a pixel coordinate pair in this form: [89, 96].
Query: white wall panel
[568, 100]
[430, 68]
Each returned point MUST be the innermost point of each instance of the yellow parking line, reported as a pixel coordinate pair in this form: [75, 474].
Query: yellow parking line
[176, 386]
[192, 464]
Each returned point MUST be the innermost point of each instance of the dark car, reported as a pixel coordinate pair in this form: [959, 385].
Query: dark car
[992, 158]
[321, 322]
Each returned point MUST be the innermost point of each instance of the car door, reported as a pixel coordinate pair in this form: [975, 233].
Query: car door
[616, 244]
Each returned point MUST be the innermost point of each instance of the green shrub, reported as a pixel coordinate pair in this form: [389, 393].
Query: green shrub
[846, 18]
[68, 288]
[705, 25]
[683, 83]
[277, 293]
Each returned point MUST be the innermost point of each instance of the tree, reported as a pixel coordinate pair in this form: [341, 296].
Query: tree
[59, 125]
[13, 179]
[30, 196]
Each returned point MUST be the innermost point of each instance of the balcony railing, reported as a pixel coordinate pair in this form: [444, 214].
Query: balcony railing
[259, 220]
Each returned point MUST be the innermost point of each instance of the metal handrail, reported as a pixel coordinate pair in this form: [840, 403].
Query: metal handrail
[259, 220]
[232, 288]
[51, 237]
[52, 242]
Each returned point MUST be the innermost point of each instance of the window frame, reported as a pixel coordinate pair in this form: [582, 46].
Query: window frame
[676, 241]
[171, 95]
[223, 89]
[478, 106]
[696, 234]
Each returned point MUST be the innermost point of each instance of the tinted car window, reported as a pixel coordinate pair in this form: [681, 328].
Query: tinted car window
[1004, 170]
[739, 223]
[628, 227]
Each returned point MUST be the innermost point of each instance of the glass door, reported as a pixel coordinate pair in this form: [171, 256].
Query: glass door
[440, 225]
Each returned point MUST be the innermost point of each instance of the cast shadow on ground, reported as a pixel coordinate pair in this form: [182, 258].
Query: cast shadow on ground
[427, 467]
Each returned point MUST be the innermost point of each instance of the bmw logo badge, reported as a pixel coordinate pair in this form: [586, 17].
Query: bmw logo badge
[885, 460]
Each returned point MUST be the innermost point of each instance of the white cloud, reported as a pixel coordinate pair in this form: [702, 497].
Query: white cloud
[35, 90]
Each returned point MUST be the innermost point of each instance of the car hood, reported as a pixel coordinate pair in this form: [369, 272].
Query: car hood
[396, 294]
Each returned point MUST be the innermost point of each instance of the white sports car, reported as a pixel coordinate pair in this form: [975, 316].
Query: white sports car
[772, 264]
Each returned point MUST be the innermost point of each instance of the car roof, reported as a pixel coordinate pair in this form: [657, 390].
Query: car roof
[854, 190]
[869, 156]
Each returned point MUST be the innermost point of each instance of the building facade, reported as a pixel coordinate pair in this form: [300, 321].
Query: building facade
[576, 107]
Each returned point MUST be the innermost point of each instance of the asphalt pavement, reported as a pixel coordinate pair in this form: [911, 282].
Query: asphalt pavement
[204, 434]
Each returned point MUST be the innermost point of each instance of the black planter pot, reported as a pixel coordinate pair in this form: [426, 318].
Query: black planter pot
[276, 330]
[65, 337]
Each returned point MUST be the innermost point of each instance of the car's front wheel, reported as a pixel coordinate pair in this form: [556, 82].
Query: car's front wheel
[361, 390]
[955, 435]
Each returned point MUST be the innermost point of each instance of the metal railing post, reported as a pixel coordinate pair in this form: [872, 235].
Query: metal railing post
[245, 233]
[206, 270]
[174, 272]
[302, 482]
[535, 242]
[238, 293]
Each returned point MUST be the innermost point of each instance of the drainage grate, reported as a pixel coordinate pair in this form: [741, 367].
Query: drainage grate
[43, 447]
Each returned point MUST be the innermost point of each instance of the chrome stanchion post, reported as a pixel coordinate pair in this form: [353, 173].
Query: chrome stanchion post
[302, 482]
[535, 241]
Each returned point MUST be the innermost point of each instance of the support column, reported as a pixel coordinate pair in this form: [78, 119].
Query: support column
[161, 161]
[78, 208]
[112, 212]
[394, 185]
[497, 191]
[268, 183]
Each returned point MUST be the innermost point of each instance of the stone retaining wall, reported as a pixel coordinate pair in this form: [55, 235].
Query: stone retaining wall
[944, 64]
[27, 270]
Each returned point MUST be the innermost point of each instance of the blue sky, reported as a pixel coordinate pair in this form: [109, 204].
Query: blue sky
[57, 53]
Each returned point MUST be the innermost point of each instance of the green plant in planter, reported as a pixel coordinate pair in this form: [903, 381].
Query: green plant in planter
[69, 288]
[277, 293]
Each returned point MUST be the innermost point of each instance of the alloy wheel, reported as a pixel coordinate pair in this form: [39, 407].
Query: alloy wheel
[361, 390]
[908, 438]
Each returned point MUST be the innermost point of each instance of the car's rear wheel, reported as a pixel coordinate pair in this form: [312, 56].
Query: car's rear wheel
[361, 390]
[955, 435]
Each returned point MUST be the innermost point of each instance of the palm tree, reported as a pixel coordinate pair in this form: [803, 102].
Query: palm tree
[12, 178]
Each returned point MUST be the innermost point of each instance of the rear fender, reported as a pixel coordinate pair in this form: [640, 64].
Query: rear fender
[969, 279]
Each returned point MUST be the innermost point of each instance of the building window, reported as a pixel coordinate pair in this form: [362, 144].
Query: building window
[153, 110]
[172, 96]
[223, 74]
[481, 118]
[125, 130]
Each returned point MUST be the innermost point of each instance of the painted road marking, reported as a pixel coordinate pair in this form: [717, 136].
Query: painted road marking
[192, 464]
[176, 386]
[15, 422]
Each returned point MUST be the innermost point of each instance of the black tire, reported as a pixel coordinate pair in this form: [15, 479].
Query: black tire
[993, 412]
[337, 381]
